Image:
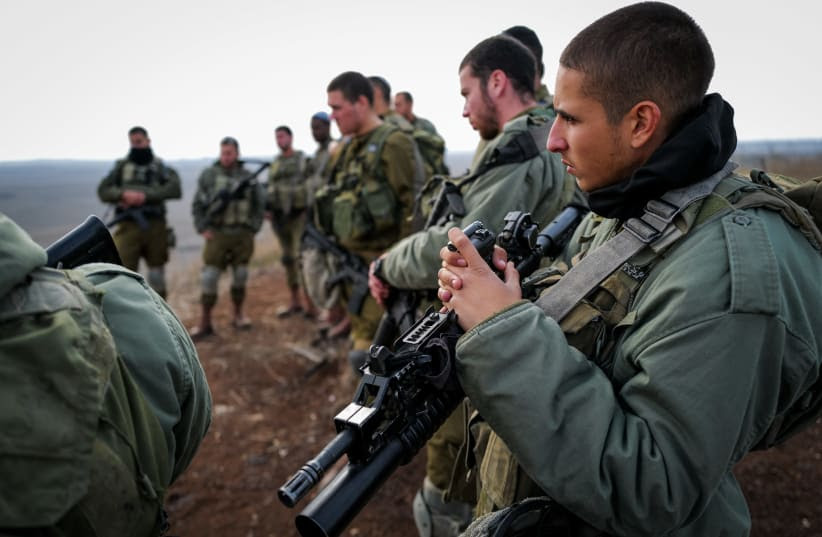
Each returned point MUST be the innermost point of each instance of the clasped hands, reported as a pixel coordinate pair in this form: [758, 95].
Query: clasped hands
[467, 284]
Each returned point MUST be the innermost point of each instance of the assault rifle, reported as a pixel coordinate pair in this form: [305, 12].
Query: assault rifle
[351, 267]
[220, 200]
[405, 394]
[140, 215]
[87, 243]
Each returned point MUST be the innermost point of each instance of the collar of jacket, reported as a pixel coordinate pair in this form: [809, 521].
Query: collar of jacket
[699, 148]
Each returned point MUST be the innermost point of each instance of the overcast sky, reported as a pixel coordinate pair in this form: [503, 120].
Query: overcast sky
[77, 74]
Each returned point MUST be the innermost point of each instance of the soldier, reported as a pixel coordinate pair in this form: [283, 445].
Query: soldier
[288, 197]
[496, 81]
[139, 185]
[104, 401]
[430, 146]
[316, 168]
[227, 211]
[318, 266]
[370, 206]
[404, 106]
[685, 333]
[529, 38]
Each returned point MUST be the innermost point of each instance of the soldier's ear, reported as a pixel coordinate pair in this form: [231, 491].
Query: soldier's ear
[497, 81]
[645, 122]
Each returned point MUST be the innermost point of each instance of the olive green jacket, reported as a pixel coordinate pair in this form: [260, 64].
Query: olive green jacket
[721, 337]
[539, 186]
[103, 402]
[243, 212]
[156, 180]
[395, 165]
[286, 190]
[424, 124]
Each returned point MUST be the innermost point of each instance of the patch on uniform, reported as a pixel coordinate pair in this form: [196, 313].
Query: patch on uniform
[371, 148]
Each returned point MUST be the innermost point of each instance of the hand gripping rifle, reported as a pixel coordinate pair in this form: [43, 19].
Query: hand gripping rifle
[404, 395]
[351, 268]
[218, 203]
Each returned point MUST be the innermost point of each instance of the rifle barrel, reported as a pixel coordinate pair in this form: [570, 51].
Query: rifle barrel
[337, 504]
[312, 471]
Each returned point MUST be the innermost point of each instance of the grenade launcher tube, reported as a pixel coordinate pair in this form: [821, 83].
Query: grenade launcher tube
[340, 501]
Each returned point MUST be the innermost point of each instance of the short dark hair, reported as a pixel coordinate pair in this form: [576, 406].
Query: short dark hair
[407, 96]
[230, 140]
[506, 54]
[352, 85]
[649, 50]
[384, 86]
[529, 38]
[284, 129]
[138, 130]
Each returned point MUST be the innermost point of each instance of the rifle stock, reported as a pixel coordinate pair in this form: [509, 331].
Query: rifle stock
[87, 243]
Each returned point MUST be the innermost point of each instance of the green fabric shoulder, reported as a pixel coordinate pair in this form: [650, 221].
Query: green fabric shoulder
[20, 254]
[538, 185]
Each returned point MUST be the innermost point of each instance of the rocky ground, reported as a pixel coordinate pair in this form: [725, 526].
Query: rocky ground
[276, 391]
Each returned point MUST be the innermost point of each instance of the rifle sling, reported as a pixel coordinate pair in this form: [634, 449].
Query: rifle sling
[654, 229]
[524, 146]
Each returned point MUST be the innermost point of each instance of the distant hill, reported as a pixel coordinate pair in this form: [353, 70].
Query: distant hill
[49, 197]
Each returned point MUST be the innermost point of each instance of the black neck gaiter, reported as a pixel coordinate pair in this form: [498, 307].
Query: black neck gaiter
[140, 155]
[698, 149]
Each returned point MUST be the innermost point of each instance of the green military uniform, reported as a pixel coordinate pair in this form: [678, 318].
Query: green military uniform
[318, 266]
[634, 409]
[536, 184]
[103, 402]
[288, 197]
[369, 205]
[144, 235]
[233, 227]
[544, 102]
[424, 124]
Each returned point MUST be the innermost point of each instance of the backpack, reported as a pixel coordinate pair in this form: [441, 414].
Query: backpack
[806, 194]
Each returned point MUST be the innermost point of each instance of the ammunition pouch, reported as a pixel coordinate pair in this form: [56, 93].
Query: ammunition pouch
[368, 209]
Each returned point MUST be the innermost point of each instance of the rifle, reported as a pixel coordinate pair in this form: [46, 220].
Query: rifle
[220, 200]
[351, 267]
[404, 395]
[87, 243]
[140, 215]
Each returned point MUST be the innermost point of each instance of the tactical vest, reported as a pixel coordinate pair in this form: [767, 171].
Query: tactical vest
[139, 177]
[237, 212]
[359, 204]
[78, 451]
[594, 317]
[287, 189]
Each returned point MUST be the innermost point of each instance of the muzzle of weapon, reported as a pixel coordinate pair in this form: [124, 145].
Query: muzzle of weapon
[89, 242]
[343, 498]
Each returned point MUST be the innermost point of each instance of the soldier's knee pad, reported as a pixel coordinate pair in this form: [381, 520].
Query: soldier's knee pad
[209, 277]
[437, 518]
[239, 277]
[357, 358]
[157, 279]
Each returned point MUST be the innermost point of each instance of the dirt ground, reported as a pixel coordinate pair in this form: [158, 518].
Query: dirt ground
[273, 410]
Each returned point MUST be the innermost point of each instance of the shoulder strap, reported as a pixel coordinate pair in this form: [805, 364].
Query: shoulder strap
[524, 146]
[378, 139]
[653, 229]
